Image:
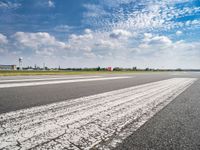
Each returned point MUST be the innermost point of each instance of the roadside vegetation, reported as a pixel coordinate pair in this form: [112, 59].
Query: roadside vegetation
[60, 72]
[80, 71]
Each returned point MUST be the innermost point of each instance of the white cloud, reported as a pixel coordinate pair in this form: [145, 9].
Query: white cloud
[105, 44]
[37, 39]
[94, 10]
[147, 35]
[153, 44]
[63, 28]
[149, 50]
[9, 5]
[162, 52]
[40, 41]
[98, 44]
[151, 16]
[156, 40]
[80, 38]
[80, 45]
[88, 31]
[1, 50]
[129, 35]
[115, 3]
[178, 33]
[45, 51]
[3, 43]
[43, 43]
[3, 39]
[119, 33]
[51, 3]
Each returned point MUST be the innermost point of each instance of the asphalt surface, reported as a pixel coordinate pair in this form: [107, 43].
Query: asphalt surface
[15, 98]
[177, 126]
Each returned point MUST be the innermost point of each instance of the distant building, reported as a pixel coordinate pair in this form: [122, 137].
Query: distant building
[8, 67]
[109, 69]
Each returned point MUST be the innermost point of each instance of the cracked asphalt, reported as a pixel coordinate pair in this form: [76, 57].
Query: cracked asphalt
[176, 127]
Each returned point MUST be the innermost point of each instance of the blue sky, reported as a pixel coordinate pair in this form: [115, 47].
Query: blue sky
[90, 33]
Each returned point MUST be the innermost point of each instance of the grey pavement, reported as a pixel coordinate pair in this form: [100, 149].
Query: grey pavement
[15, 98]
[176, 127]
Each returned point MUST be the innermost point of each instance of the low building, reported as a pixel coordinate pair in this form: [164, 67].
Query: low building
[8, 67]
[109, 69]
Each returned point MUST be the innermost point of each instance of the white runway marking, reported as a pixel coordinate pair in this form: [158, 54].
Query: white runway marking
[47, 79]
[7, 85]
[100, 121]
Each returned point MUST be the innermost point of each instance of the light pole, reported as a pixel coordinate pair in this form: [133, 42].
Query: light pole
[20, 63]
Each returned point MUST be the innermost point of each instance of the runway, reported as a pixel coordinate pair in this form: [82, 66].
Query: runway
[49, 81]
[92, 112]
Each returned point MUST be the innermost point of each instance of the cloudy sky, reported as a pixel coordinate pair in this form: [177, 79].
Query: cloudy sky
[91, 33]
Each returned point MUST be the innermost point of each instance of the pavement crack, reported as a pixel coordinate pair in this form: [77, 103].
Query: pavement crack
[19, 144]
[77, 146]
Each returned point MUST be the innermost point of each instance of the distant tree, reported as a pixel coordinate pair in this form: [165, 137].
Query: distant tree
[134, 68]
[178, 69]
[117, 69]
[98, 68]
[147, 69]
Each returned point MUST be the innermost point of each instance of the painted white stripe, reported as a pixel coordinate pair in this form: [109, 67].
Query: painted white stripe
[100, 121]
[47, 78]
[7, 85]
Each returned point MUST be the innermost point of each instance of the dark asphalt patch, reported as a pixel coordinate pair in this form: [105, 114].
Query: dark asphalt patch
[176, 127]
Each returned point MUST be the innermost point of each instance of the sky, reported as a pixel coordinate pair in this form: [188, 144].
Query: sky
[90, 33]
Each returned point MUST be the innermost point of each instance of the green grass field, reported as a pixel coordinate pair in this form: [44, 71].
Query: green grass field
[25, 73]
